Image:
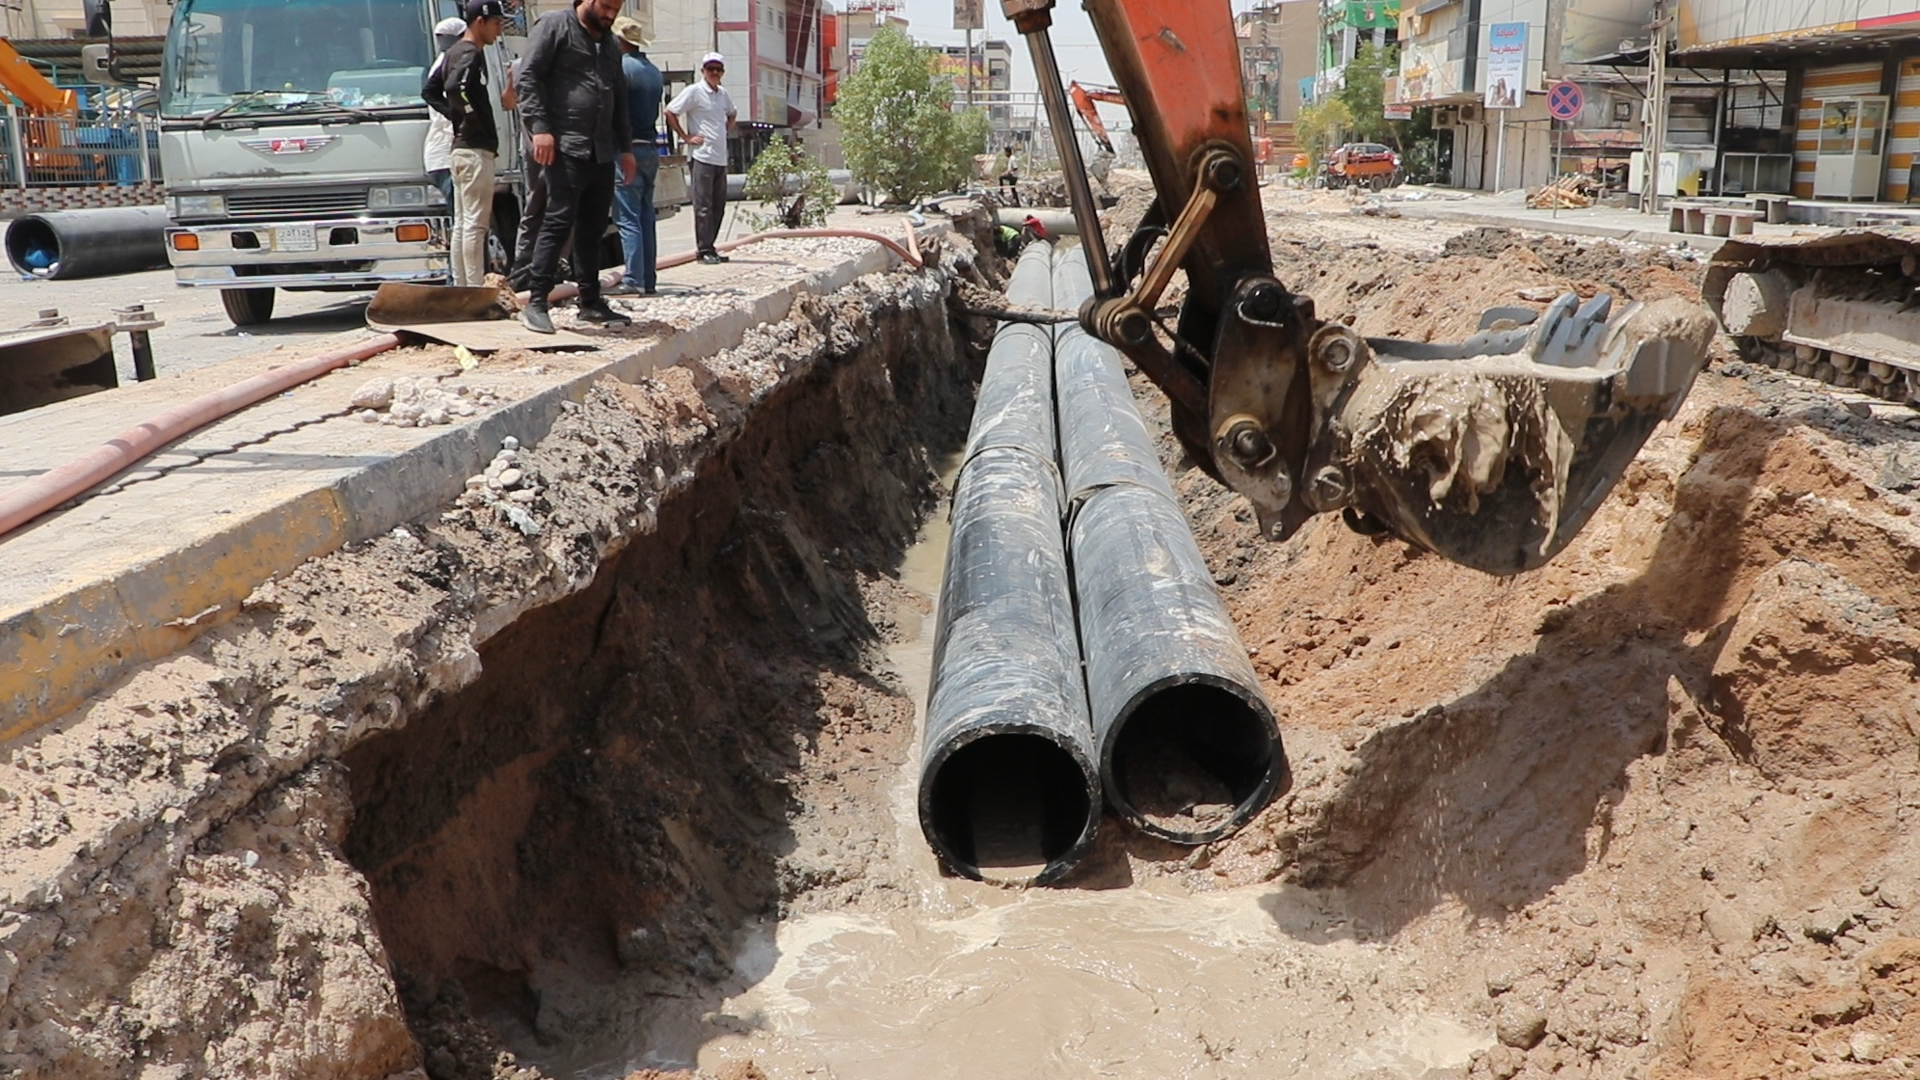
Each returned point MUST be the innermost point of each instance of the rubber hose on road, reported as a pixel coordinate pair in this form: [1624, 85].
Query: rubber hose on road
[69, 244]
[1008, 785]
[1188, 748]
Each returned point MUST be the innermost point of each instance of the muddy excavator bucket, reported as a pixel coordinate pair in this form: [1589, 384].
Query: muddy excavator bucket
[1495, 451]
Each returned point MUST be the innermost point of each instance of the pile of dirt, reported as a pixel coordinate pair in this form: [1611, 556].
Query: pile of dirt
[1668, 779]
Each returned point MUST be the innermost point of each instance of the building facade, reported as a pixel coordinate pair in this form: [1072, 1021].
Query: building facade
[1277, 50]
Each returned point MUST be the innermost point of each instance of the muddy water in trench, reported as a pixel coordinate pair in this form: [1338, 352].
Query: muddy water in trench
[1109, 979]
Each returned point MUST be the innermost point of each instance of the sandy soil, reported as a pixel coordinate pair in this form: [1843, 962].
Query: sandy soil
[630, 791]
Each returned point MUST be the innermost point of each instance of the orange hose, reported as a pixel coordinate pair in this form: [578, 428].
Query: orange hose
[48, 490]
[910, 252]
[28, 501]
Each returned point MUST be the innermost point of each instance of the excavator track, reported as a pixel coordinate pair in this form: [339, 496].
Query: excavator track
[1842, 308]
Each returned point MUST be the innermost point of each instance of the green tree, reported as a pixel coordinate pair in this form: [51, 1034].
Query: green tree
[793, 183]
[1363, 90]
[1318, 127]
[971, 127]
[897, 120]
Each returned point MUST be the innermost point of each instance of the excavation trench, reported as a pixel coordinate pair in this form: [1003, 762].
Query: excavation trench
[1569, 821]
[1645, 812]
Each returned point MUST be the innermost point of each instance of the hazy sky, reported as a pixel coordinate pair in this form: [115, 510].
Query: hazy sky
[1073, 42]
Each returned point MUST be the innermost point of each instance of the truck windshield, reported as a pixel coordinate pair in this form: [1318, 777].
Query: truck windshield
[255, 56]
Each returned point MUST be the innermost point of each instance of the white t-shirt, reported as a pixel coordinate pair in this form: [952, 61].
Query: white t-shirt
[704, 111]
[439, 150]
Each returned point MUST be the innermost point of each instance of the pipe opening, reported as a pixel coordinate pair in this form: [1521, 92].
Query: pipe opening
[1192, 762]
[1010, 807]
[32, 246]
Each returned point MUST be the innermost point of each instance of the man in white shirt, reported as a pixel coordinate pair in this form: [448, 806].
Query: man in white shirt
[700, 117]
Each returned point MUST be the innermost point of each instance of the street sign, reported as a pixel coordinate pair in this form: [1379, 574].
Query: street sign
[1565, 100]
[966, 15]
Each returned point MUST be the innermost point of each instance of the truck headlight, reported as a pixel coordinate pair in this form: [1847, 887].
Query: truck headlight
[193, 206]
[398, 197]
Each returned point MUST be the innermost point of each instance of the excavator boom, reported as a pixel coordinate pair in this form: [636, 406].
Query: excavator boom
[1492, 452]
[24, 81]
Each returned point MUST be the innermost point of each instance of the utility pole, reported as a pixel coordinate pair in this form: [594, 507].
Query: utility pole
[1654, 137]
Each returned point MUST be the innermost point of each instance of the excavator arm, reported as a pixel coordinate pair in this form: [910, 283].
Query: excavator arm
[1083, 103]
[1492, 452]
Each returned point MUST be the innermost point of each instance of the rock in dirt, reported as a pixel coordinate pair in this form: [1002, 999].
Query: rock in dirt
[1519, 1025]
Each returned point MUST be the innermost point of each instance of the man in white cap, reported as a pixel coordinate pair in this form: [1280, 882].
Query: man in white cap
[701, 116]
[437, 156]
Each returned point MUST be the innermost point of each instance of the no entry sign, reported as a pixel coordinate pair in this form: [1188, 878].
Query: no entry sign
[1565, 100]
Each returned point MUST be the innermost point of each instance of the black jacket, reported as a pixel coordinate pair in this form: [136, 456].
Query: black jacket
[457, 90]
[571, 87]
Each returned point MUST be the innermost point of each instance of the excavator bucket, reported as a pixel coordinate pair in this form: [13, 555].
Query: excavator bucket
[1494, 452]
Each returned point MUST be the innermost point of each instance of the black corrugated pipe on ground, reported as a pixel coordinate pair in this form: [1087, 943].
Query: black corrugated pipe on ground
[1188, 748]
[1008, 785]
[69, 244]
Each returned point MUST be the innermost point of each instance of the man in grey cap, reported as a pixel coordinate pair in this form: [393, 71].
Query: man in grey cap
[573, 98]
[701, 116]
[437, 155]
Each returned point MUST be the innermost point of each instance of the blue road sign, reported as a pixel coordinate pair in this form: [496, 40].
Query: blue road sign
[1565, 100]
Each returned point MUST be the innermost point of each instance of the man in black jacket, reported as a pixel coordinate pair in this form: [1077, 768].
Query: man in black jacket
[457, 89]
[573, 98]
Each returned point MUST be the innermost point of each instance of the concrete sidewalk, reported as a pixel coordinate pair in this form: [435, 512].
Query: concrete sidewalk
[1509, 210]
[138, 568]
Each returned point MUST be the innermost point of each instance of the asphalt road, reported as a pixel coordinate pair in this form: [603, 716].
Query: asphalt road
[197, 331]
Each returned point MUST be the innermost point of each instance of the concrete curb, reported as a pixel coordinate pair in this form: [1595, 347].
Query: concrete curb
[77, 636]
[1523, 223]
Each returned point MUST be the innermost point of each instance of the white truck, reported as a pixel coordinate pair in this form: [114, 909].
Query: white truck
[290, 148]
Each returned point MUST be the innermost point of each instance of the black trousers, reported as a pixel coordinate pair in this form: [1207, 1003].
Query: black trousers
[579, 199]
[709, 204]
[531, 215]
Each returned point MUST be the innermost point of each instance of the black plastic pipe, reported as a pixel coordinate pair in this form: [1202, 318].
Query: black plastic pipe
[1188, 748]
[68, 244]
[1008, 785]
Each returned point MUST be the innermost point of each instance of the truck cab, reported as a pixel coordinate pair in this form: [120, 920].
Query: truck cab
[291, 146]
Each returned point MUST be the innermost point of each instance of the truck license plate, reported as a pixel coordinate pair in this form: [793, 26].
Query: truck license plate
[294, 238]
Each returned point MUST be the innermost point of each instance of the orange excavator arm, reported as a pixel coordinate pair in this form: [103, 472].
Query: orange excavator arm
[1083, 99]
[1492, 452]
[24, 81]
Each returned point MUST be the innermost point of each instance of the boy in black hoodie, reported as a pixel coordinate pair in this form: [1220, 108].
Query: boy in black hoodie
[458, 91]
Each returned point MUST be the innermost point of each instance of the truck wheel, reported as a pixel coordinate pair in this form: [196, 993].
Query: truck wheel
[247, 307]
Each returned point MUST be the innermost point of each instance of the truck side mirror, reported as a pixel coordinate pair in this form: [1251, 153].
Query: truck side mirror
[97, 66]
[99, 14]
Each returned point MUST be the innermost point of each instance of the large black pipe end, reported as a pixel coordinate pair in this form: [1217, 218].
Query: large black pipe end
[33, 248]
[1012, 804]
[1192, 758]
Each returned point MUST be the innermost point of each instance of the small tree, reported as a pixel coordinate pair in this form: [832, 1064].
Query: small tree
[971, 128]
[793, 183]
[897, 120]
[1318, 126]
[1363, 90]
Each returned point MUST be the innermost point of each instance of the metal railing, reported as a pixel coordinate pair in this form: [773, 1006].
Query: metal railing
[113, 149]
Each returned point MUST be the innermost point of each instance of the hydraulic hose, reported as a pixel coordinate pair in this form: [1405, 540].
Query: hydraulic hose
[1008, 785]
[70, 244]
[1188, 748]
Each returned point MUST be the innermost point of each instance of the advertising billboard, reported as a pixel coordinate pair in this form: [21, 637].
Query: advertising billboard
[1506, 65]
